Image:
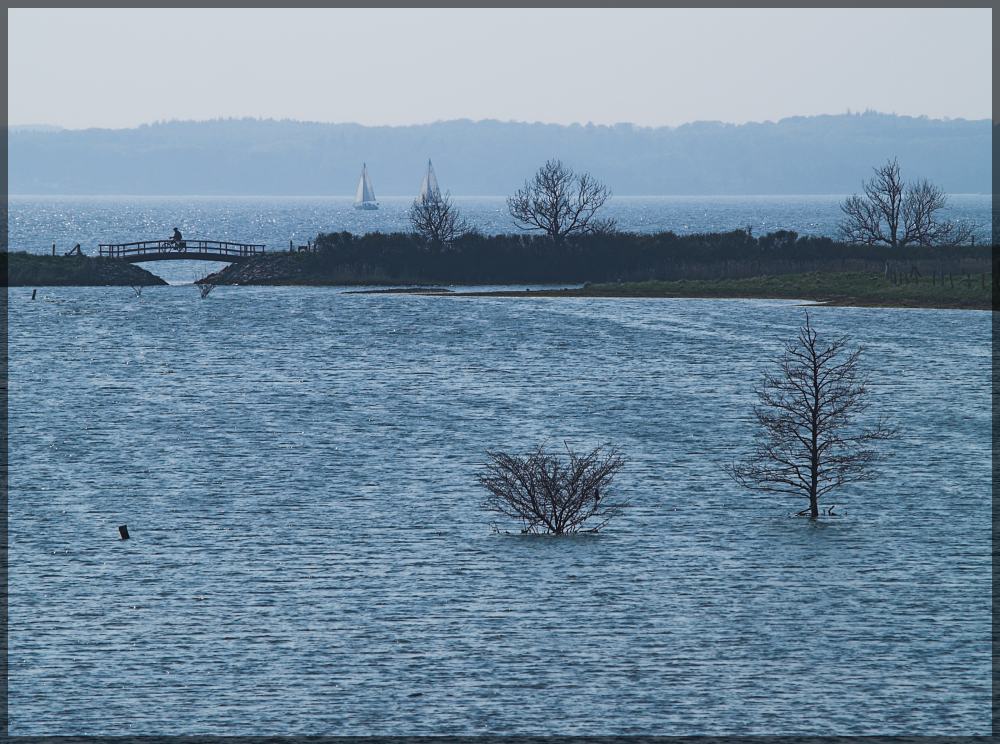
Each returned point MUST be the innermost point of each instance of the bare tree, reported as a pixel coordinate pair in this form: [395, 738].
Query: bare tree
[893, 213]
[560, 202]
[552, 495]
[810, 442]
[436, 219]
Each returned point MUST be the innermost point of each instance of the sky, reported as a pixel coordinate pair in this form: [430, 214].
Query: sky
[116, 68]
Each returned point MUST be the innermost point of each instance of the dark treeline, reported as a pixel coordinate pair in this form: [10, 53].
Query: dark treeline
[377, 258]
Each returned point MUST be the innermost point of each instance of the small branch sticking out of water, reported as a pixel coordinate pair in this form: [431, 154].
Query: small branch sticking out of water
[137, 290]
[205, 289]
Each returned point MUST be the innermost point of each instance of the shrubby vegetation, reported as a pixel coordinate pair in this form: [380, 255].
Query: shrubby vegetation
[577, 245]
[28, 269]
[377, 258]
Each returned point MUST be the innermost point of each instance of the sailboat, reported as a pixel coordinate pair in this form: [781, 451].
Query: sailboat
[365, 198]
[429, 190]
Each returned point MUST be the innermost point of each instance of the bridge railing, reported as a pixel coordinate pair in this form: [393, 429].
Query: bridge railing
[214, 247]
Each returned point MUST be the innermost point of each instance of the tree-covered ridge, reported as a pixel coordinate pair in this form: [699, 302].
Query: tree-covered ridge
[799, 155]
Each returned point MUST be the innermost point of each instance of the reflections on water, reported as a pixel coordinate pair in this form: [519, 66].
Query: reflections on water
[296, 469]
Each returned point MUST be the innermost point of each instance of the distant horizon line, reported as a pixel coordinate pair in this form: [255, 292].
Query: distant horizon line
[45, 127]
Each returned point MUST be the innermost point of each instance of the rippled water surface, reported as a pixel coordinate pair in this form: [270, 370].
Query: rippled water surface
[296, 467]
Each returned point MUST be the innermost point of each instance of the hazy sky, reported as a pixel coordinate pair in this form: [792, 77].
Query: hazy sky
[120, 68]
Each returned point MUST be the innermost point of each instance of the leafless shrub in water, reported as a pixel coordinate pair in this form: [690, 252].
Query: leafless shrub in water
[549, 494]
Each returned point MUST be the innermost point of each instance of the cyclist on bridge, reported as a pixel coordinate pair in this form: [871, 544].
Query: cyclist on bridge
[178, 240]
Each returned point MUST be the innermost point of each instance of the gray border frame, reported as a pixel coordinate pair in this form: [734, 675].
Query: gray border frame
[5, 460]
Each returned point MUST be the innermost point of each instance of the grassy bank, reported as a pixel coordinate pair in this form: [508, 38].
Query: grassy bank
[855, 289]
[32, 270]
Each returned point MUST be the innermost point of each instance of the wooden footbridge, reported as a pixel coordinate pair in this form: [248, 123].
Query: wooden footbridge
[184, 250]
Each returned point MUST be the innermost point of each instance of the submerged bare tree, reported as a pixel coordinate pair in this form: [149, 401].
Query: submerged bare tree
[205, 289]
[436, 219]
[548, 494]
[892, 213]
[560, 202]
[810, 440]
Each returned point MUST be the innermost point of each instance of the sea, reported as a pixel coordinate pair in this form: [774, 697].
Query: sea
[297, 466]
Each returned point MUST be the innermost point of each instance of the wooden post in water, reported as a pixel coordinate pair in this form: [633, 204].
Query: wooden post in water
[33, 293]
[53, 249]
[123, 531]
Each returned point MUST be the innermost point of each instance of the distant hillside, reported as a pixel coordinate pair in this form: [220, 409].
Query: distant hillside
[800, 155]
[34, 128]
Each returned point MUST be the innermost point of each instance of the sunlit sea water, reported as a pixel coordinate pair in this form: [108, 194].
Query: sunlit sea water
[297, 469]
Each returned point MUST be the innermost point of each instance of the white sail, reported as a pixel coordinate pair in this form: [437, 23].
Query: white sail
[369, 189]
[429, 187]
[365, 196]
[359, 197]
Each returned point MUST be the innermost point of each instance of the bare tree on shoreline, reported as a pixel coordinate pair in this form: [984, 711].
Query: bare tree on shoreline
[560, 202]
[436, 219]
[895, 214]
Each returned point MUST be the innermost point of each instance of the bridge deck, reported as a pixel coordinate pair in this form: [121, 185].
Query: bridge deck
[169, 250]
